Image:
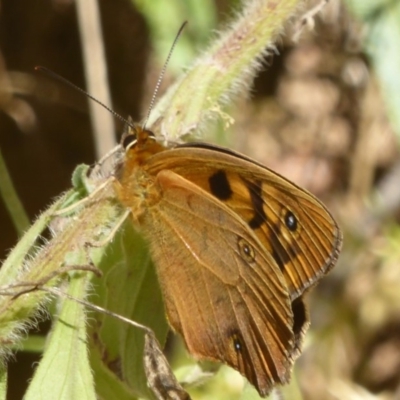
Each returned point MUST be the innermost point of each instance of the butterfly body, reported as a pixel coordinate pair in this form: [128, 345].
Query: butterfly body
[235, 246]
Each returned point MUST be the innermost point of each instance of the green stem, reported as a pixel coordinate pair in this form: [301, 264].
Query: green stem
[11, 199]
[225, 70]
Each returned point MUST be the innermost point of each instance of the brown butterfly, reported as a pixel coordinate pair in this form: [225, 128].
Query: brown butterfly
[235, 247]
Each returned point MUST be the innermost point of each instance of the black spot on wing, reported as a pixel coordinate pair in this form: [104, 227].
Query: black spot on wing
[237, 344]
[300, 321]
[281, 256]
[244, 359]
[220, 186]
[290, 221]
[257, 202]
[299, 314]
[282, 252]
[246, 250]
[236, 339]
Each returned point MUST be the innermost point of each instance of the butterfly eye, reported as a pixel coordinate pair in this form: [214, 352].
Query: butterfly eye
[246, 250]
[129, 141]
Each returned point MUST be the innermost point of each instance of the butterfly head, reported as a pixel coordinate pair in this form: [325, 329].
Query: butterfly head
[140, 143]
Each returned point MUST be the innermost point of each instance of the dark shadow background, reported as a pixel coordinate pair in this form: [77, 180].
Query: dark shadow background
[41, 160]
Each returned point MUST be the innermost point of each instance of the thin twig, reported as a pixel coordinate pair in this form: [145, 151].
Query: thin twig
[96, 73]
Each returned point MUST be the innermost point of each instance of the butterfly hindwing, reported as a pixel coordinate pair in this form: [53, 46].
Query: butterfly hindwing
[223, 291]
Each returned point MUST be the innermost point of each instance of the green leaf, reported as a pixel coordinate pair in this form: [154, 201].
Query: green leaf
[108, 384]
[30, 264]
[3, 382]
[33, 344]
[130, 288]
[64, 371]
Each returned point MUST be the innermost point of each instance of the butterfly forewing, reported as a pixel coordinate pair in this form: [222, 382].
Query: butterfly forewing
[293, 226]
[222, 290]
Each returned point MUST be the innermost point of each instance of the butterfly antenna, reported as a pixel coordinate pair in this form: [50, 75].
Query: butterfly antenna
[67, 82]
[160, 78]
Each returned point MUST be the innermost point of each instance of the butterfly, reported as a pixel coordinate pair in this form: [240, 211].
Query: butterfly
[235, 247]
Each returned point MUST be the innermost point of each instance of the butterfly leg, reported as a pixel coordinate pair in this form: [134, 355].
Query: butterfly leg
[117, 189]
[97, 168]
[111, 234]
[20, 288]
